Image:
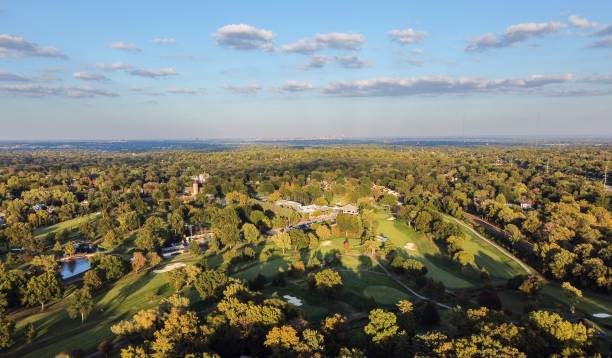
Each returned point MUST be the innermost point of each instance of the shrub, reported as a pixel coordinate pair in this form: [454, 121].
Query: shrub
[279, 280]
[258, 283]
[297, 268]
[398, 264]
[489, 299]
[415, 268]
[428, 314]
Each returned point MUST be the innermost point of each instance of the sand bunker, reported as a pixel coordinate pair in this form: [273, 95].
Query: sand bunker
[410, 246]
[293, 300]
[326, 243]
[601, 315]
[391, 218]
[170, 267]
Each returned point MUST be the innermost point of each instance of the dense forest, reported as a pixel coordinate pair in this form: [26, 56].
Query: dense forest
[545, 211]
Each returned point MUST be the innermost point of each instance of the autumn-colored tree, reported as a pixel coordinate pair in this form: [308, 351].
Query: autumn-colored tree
[573, 295]
[327, 281]
[138, 261]
[382, 326]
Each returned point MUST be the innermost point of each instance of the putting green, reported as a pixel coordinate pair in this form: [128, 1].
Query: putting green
[384, 294]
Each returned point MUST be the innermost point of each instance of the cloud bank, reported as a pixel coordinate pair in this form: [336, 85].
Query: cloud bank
[332, 40]
[18, 46]
[513, 35]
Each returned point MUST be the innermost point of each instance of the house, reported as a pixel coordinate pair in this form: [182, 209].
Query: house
[309, 209]
[386, 190]
[350, 209]
[526, 204]
[39, 207]
[288, 204]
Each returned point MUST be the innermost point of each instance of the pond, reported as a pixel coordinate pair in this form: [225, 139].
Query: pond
[74, 267]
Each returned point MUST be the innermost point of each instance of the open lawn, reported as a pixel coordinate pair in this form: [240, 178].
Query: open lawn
[439, 267]
[64, 225]
[59, 333]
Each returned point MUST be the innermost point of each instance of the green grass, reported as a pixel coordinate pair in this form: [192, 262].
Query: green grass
[64, 225]
[384, 295]
[497, 263]
[439, 266]
[362, 280]
[426, 251]
[59, 333]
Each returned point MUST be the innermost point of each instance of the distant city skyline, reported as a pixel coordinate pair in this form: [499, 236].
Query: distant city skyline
[142, 70]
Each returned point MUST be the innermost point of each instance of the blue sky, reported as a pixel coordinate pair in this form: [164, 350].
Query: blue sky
[245, 69]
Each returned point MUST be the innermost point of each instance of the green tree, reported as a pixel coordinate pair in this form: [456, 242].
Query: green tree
[423, 221]
[282, 240]
[112, 266]
[176, 221]
[80, 303]
[210, 283]
[370, 246]
[7, 330]
[41, 289]
[250, 232]
[69, 249]
[93, 279]
[30, 332]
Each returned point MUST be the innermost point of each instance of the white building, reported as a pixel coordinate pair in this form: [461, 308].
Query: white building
[349, 209]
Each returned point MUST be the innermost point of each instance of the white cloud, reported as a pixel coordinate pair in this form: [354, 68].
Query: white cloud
[582, 22]
[182, 91]
[603, 43]
[295, 87]
[350, 61]
[414, 62]
[18, 46]
[513, 34]
[164, 41]
[317, 61]
[11, 77]
[248, 89]
[332, 40]
[115, 66]
[162, 72]
[406, 36]
[89, 76]
[600, 79]
[378, 87]
[31, 90]
[244, 37]
[605, 31]
[125, 46]
[147, 91]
